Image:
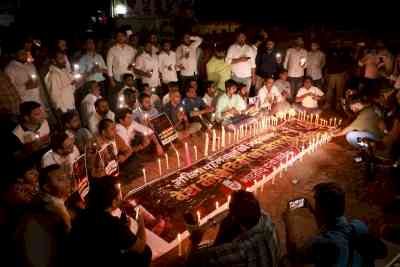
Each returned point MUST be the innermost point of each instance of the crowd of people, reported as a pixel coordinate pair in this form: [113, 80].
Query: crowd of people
[58, 106]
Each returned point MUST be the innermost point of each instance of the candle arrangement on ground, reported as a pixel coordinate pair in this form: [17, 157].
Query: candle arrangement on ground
[246, 157]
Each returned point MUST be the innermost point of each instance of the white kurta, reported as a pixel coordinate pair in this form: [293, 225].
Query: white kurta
[149, 63]
[118, 60]
[242, 69]
[88, 108]
[167, 63]
[19, 74]
[293, 62]
[61, 90]
[51, 157]
[189, 64]
[128, 134]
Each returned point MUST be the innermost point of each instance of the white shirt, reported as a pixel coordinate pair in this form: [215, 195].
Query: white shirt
[146, 62]
[308, 101]
[267, 98]
[95, 119]
[315, 63]
[292, 62]
[19, 74]
[88, 108]
[226, 102]
[51, 157]
[139, 113]
[128, 134]
[121, 97]
[208, 100]
[28, 136]
[166, 61]
[59, 85]
[242, 69]
[118, 60]
[190, 63]
[88, 62]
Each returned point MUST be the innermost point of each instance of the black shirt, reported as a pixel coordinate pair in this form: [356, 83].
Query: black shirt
[99, 239]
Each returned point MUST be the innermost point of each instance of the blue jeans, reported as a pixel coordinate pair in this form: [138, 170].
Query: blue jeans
[352, 137]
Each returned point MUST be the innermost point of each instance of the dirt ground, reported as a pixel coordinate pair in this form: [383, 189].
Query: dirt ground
[366, 200]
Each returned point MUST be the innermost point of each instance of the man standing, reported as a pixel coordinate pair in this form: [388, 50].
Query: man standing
[60, 84]
[315, 64]
[147, 67]
[242, 59]
[87, 104]
[186, 57]
[92, 64]
[218, 70]
[9, 97]
[295, 63]
[120, 59]
[24, 77]
[268, 61]
[167, 64]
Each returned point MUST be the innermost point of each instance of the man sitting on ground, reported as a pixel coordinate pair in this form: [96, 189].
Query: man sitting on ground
[229, 105]
[246, 237]
[102, 112]
[106, 150]
[176, 113]
[172, 86]
[270, 97]
[87, 104]
[72, 126]
[145, 112]
[210, 96]
[127, 128]
[128, 84]
[308, 96]
[194, 106]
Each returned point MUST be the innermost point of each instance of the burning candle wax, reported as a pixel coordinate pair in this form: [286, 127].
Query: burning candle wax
[206, 145]
[159, 167]
[144, 175]
[195, 152]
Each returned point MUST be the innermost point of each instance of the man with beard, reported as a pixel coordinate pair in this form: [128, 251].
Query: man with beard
[60, 84]
[267, 62]
[102, 112]
[186, 57]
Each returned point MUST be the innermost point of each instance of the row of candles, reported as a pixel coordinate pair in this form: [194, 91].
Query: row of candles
[314, 119]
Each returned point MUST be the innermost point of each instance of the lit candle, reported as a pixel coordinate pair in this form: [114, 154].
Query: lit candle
[137, 213]
[119, 190]
[195, 152]
[214, 141]
[303, 61]
[179, 245]
[198, 217]
[206, 145]
[316, 119]
[223, 136]
[216, 205]
[33, 77]
[229, 199]
[278, 56]
[340, 122]
[166, 160]
[334, 122]
[76, 67]
[144, 175]
[178, 160]
[159, 167]
[229, 137]
[187, 154]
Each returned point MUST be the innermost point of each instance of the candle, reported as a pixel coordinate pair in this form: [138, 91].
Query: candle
[33, 76]
[178, 160]
[119, 190]
[229, 137]
[195, 152]
[303, 61]
[223, 136]
[214, 141]
[316, 119]
[198, 217]
[166, 160]
[159, 167]
[340, 122]
[334, 122]
[263, 181]
[187, 154]
[280, 170]
[144, 175]
[206, 145]
[229, 199]
[216, 205]
[278, 56]
[76, 67]
[179, 245]
[137, 213]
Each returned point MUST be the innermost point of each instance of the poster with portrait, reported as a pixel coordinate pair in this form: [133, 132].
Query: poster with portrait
[108, 157]
[164, 129]
[80, 175]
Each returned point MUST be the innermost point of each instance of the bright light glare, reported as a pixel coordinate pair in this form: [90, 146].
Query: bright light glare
[121, 9]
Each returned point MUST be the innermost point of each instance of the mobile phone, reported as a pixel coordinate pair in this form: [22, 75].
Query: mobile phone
[297, 203]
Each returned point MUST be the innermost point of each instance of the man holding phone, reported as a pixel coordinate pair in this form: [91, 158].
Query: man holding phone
[336, 244]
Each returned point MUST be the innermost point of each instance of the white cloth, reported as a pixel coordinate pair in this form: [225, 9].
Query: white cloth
[95, 119]
[128, 134]
[242, 69]
[146, 62]
[268, 98]
[19, 75]
[226, 102]
[292, 62]
[88, 62]
[51, 157]
[208, 100]
[283, 86]
[190, 63]
[167, 63]
[88, 108]
[315, 63]
[308, 101]
[61, 90]
[27, 136]
[118, 60]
